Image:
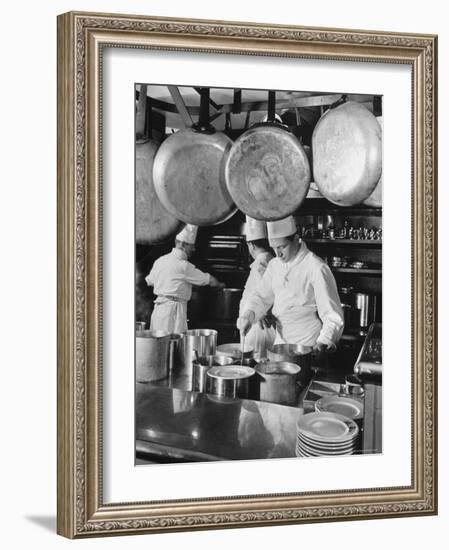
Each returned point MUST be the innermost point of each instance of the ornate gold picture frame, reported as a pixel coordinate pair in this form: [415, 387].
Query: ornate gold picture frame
[82, 40]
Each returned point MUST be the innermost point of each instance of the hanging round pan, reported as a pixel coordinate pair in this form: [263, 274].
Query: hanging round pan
[267, 170]
[154, 224]
[375, 199]
[347, 154]
[188, 175]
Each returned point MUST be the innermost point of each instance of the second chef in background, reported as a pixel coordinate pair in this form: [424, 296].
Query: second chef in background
[172, 277]
[261, 335]
[302, 291]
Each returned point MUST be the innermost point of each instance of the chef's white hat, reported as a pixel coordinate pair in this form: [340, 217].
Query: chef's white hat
[281, 228]
[188, 234]
[255, 229]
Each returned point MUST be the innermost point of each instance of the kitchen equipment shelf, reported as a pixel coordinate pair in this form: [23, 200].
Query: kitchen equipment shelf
[354, 242]
[358, 271]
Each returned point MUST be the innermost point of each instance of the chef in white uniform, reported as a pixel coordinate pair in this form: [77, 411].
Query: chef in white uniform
[261, 335]
[302, 291]
[172, 277]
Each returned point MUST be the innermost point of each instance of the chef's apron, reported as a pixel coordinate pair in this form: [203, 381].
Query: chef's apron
[169, 314]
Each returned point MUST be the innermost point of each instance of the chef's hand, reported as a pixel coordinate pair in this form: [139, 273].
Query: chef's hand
[245, 322]
[319, 347]
[215, 282]
[267, 321]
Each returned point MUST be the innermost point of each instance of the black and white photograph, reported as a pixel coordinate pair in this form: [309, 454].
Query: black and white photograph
[258, 273]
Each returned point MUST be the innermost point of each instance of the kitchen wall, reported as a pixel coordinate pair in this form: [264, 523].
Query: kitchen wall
[28, 274]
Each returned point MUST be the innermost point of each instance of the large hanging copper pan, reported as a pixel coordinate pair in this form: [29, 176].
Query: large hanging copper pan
[267, 170]
[154, 224]
[347, 154]
[188, 173]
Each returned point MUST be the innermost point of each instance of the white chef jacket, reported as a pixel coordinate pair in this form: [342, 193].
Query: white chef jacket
[305, 300]
[260, 339]
[172, 277]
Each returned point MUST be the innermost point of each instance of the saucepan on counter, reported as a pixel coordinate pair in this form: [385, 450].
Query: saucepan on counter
[278, 382]
[199, 342]
[230, 381]
[234, 351]
[201, 367]
[293, 353]
[152, 355]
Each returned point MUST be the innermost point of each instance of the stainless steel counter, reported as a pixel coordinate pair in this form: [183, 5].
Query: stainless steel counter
[178, 425]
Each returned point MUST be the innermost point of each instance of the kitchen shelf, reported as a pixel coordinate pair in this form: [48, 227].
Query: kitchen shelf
[354, 242]
[358, 271]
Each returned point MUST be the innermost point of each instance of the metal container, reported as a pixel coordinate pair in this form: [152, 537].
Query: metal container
[224, 303]
[140, 326]
[292, 353]
[152, 349]
[203, 341]
[176, 355]
[235, 351]
[200, 368]
[278, 382]
[230, 381]
[366, 304]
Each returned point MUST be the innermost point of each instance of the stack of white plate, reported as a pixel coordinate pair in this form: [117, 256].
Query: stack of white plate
[326, 434]
[340, 404]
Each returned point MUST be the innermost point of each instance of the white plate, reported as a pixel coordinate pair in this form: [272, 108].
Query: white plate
[327, 427]
[340, 405]
[327, 444]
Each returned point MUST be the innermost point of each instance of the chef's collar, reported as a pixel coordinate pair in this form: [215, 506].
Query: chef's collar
[179, 253]
[299, 255]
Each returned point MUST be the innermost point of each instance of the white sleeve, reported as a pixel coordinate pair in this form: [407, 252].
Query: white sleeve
[329, 306]
[262, 298]
[195, 276]
[149, 278]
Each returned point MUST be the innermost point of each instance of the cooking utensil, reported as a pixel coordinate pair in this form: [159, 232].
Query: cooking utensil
[200, 341]
[242, 345]
[176, 353]
[267, 170]
[294, 353]
[347, 154]
[154, 224]
[188, 174]
[202, 365]
[152, 351]
[222, 303]
[230, 381]
[277, 382]
[234, 351]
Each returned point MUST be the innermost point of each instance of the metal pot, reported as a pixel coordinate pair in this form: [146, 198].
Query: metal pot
[224, 303]
[235, 351]
[198, 342]
[230, 381]
[267, 170]
[152, 349]
[200, 368]
[176, 358]
[294, 353]
[277, 382]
